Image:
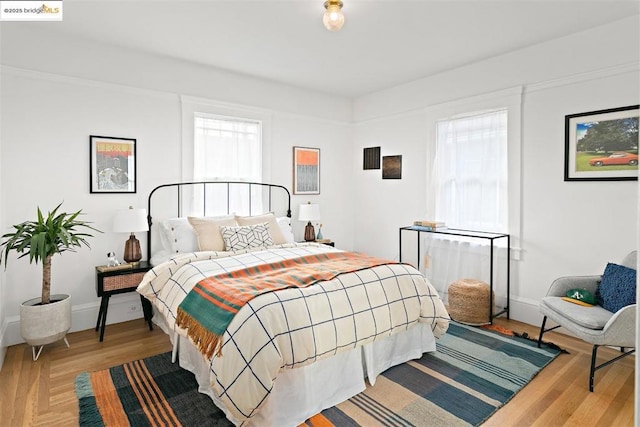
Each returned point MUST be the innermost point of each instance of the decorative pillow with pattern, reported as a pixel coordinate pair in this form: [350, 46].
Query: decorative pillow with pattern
[617, 288]
[246, 237]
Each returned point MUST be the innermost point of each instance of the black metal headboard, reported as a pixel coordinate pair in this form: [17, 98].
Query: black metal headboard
[263, 193]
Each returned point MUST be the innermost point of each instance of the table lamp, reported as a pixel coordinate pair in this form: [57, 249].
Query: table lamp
[129, 221]
[309, 212]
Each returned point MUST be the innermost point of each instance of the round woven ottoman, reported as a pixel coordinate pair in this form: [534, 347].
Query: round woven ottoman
[469, 302]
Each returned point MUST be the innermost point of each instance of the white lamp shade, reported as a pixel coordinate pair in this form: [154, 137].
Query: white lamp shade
[309, 212]
[130, 220]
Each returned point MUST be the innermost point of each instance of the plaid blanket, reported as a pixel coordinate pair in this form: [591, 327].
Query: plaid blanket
[296, 326]
[211, 305]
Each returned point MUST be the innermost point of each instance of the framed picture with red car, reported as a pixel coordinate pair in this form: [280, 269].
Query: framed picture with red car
[602, 145]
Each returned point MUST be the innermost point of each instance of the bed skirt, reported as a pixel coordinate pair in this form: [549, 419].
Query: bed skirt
[300, 393]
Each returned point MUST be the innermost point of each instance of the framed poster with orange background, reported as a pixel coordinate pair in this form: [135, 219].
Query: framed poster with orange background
[306, 170]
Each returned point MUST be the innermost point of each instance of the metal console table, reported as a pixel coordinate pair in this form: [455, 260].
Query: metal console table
[473, 234]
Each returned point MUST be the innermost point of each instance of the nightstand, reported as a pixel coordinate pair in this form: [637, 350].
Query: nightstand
[111, 281]
[323, 241]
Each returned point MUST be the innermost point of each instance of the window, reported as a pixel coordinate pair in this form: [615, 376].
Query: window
[471, 171]
[224, 142]
[473, 182]
[227, 148]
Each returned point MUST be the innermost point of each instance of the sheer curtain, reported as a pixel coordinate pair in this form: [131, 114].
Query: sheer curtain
[470, 182]
[470, 173]
[227, 149]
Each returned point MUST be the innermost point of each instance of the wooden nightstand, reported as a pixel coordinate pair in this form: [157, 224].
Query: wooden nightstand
[118, 281]
[323, 241]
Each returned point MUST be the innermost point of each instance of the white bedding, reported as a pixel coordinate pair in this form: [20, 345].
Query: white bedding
[273, 334]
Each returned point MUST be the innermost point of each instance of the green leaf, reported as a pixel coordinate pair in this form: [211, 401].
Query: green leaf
[56, 233]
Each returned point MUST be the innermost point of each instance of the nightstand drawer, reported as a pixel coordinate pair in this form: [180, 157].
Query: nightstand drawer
[121, 281]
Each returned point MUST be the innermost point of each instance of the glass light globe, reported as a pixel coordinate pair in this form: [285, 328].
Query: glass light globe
[333, 18]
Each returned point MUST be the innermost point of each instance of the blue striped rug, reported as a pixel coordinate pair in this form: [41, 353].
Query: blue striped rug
[474, 372]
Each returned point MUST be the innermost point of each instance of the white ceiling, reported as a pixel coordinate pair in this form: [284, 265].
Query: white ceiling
[383, 43]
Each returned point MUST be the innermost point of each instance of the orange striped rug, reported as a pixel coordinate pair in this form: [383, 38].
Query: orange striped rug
[148, 392]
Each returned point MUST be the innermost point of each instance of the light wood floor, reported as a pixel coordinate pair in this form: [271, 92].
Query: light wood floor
[42, 392]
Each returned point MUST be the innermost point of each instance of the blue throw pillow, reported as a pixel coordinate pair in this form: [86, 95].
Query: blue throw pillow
[617, 288]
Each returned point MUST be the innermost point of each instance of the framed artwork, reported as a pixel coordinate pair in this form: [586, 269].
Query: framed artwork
[602, 145]
[112, 164]
[306, 170]
[392, 167]
[371, 158]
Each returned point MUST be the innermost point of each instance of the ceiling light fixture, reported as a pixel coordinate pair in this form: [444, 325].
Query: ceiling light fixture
[333, 18]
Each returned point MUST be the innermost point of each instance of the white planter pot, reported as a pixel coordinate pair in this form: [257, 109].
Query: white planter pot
[45, 324]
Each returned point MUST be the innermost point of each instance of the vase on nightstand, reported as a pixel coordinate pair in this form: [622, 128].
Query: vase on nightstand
[319, 236]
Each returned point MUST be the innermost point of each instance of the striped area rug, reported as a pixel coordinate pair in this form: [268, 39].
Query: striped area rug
[148, 392]
[473, 373]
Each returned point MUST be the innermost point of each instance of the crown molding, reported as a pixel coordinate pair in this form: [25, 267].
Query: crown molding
[81, 81]
[631, 67]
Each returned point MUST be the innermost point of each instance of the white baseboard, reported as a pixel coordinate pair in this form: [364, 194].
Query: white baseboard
[3, 345]
[525, 310]
[128, 307]
[122, 308]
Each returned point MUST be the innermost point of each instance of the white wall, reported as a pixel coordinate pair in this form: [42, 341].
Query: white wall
[335, 198]
[571, 227]
[384, 205]
[46, 128]
[567, 227]
[33, 47]
[3, 318]
[53, 104]
[54, 98]
[610, 45]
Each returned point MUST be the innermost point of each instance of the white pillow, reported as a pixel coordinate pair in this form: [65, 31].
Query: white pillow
[284, 223]
[160, 257]
[208, 231]
[246, 237]
[178, 236]
[269, 218]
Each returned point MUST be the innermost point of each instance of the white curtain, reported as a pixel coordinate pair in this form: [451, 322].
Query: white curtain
[470, 171]
[227, 149]
[469, 179]
[447, 259]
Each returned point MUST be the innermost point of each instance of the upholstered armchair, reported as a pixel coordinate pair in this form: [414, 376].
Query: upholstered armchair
[594, 324]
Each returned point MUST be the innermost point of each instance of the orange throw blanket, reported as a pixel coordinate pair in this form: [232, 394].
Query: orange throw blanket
[211, 305]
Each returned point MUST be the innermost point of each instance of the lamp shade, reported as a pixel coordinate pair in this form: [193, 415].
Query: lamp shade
[309, 212]
[130, 220]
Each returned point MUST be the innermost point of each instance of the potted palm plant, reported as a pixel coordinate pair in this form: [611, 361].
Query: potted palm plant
[46, 319]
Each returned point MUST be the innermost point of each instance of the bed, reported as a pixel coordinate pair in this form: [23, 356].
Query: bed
[288, 352]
